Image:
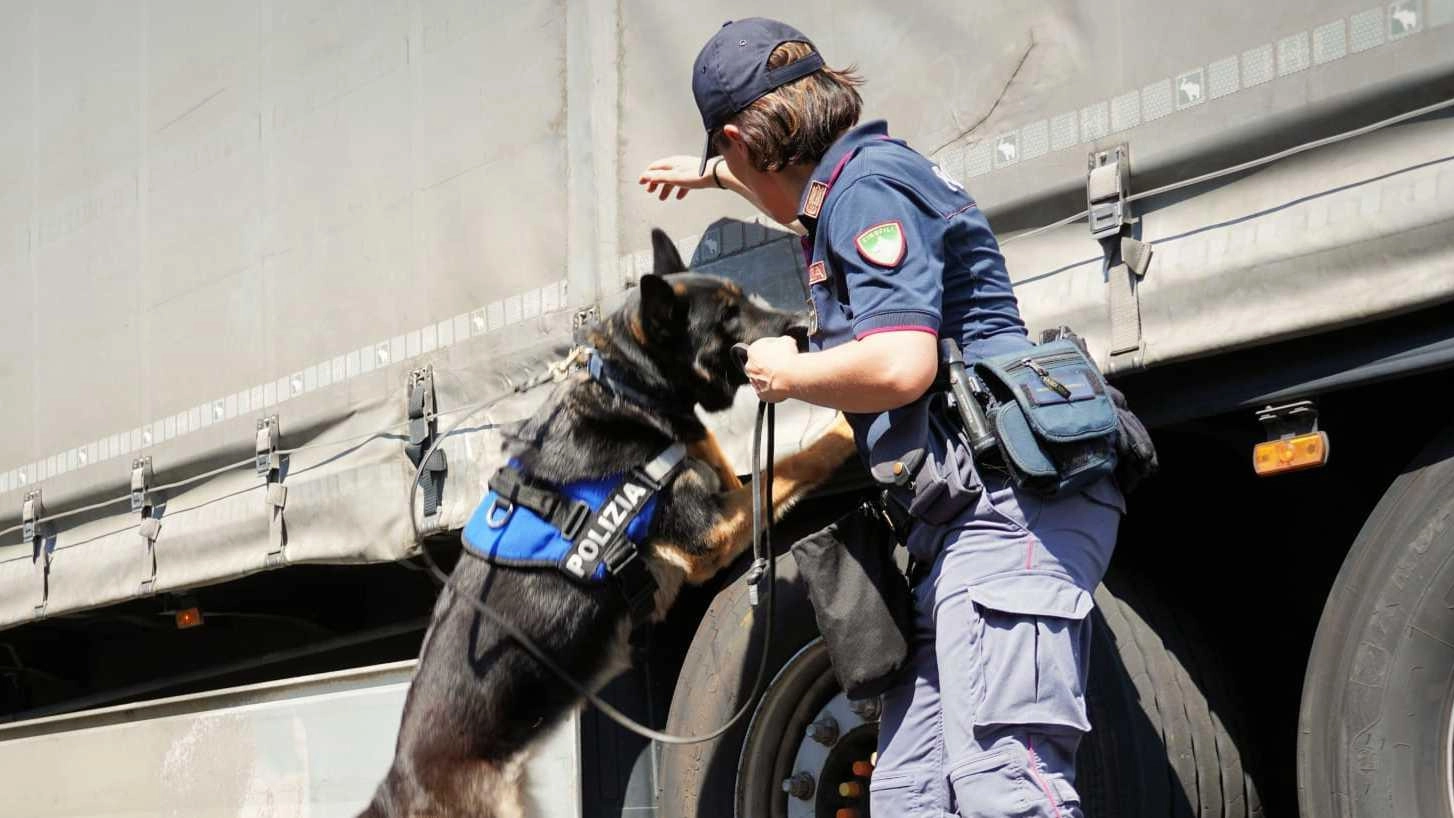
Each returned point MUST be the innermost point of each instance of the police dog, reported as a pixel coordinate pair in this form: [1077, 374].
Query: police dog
[478, 700]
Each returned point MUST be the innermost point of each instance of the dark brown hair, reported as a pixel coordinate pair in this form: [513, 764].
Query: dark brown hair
[797, 122]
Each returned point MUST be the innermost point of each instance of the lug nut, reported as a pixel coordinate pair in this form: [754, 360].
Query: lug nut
[824, 731]
[800, 786]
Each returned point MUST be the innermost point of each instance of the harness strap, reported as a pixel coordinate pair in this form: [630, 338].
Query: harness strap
[605, 542]
[663, 465]
[564, 514]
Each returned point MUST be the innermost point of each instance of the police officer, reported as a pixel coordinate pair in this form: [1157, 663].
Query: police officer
[987, 718]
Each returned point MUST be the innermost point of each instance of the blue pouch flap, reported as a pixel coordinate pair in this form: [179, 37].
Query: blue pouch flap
[1018, 440]
[896, 442]
[1059, 391]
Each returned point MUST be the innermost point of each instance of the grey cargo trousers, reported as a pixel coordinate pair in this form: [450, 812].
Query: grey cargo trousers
[987, 719]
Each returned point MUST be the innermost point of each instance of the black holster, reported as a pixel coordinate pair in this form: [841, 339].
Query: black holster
[861, 599]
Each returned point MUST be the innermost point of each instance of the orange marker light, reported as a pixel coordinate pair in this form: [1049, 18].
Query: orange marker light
[862, 769]
[189, 618]
[1307, 451]
[846, 812]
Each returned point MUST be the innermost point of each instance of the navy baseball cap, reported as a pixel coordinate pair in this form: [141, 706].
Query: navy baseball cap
[731, 71]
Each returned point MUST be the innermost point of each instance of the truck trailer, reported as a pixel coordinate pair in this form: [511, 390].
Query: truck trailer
[255, 257]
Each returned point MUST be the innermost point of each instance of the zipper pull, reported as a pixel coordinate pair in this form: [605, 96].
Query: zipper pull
[1060, 388]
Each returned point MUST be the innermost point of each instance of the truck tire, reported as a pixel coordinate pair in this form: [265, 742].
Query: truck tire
[1375, 737]
[1160, 747]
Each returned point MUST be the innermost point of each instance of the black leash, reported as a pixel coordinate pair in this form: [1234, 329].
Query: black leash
[763, 566]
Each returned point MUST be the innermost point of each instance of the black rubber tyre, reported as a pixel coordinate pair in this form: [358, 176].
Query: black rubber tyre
[1160, 747]
[1379, 690]
[1164, 739]
[700, 780]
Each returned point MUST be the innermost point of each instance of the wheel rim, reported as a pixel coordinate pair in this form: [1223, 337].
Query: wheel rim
[802, 743]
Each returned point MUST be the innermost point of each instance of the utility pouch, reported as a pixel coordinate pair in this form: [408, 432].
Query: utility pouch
[1055, 424]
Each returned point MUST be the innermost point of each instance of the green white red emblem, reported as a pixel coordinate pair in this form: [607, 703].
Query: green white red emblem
[882, 244]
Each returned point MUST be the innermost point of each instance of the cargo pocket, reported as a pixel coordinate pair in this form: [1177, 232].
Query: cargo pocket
[1031, 648]
[999, 783]
[920, 793]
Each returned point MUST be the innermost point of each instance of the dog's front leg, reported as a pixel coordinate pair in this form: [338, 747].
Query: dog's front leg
[793, 477]
[709, 451]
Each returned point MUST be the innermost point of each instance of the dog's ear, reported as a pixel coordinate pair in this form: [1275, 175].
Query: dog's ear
[660, 306]
[666, 259]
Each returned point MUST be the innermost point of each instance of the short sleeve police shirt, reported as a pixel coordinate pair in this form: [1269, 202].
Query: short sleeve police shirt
[875, 225]
[894, 244]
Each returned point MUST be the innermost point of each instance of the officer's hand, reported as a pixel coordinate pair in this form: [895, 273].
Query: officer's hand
[767, 359]
[677, 173]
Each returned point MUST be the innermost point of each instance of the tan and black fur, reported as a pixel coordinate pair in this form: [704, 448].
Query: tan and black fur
[478, 701]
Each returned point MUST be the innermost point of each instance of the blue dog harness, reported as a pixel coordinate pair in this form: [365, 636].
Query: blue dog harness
[589, 530]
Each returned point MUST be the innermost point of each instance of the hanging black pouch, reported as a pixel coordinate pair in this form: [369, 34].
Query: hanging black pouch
[861, 599]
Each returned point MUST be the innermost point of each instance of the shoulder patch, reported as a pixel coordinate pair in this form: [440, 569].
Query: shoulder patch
[883, 244]
[817, 273]
[817, 192]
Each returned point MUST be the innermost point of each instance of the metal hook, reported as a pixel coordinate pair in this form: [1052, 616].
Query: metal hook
[492, 516]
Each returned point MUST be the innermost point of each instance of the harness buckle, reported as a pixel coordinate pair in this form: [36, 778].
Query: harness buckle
[575, 520]
[493, 517]
[626, 566]
[620, 555]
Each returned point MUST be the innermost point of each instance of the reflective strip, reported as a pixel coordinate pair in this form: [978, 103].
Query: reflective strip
[662, 465]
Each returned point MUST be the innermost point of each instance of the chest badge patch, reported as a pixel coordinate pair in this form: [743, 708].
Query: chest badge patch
[882, 244]
[817, 273]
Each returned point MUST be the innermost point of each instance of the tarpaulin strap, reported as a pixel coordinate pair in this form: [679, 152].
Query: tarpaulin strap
[277, 497]
[142, 477]
[421, 435]
[1136, 255]
[1127, 262]
[270, 465]
[150, 529]
[1125, 310]
[31, 511]
[141, 480]
[41, 547]
[1108, 186]
[268, 437]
